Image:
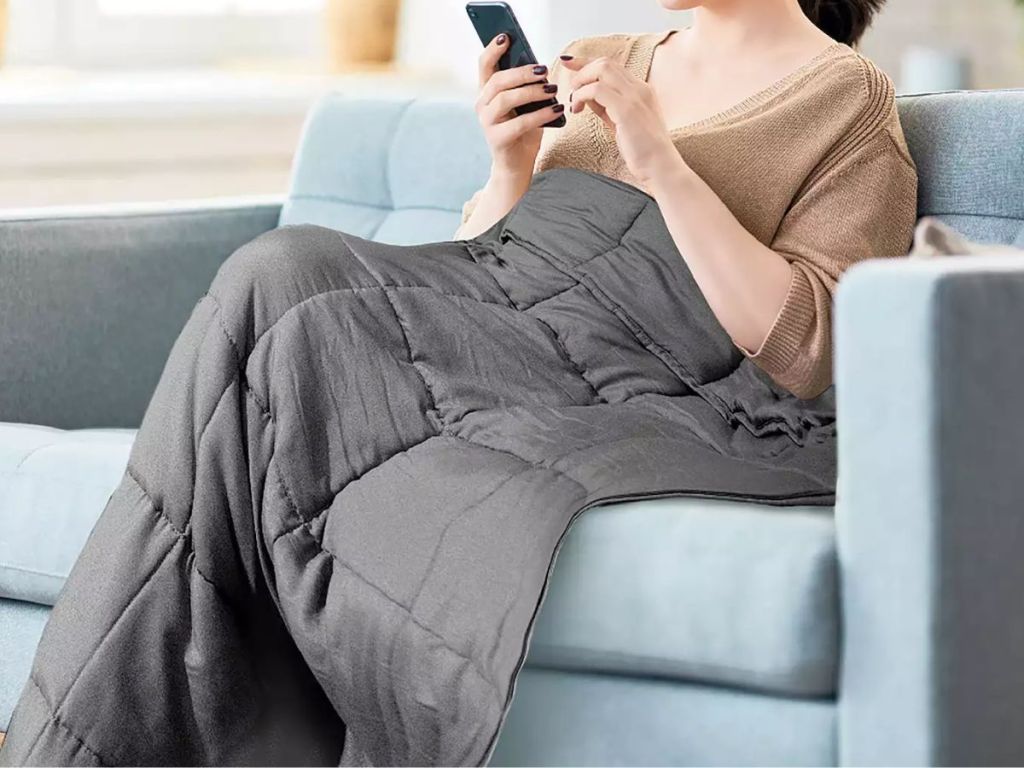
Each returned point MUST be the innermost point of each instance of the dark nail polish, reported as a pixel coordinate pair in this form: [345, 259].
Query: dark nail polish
[501, 39]
[558, 108]
[566, 57]
[540, 69]
[550, 88]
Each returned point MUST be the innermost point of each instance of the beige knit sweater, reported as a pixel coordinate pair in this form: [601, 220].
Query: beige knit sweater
[815, 167]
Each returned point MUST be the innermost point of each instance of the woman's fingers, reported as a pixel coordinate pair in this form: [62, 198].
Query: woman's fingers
[518, 126]
[489, 58]
[590, 70]
[502, 105]
[598, 84]
[597, 96]
[508, 79]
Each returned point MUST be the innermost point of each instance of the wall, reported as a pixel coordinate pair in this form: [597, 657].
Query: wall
[583, 18]
[990, 32]
[437, 35]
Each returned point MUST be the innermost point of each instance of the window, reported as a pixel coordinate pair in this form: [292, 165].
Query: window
[206, 7]
[134, 34]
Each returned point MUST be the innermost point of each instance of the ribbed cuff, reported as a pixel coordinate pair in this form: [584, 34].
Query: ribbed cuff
[788, 333]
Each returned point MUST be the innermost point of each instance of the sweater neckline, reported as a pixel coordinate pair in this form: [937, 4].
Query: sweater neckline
[641, 57]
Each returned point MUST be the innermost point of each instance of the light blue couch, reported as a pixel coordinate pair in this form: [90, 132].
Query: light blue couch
[676, 631]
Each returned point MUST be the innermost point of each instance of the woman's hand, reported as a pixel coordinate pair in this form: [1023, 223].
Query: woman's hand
[629, 107]
[514, 139]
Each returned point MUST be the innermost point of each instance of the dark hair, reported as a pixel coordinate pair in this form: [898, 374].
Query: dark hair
[842, 20]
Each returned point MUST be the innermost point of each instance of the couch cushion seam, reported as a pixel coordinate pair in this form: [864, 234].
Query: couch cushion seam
[371, 206]
[692, 670]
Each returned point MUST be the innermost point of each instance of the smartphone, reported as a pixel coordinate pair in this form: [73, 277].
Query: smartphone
[490, 19]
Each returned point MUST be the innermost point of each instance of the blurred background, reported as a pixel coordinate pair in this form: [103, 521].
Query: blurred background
[140, 100]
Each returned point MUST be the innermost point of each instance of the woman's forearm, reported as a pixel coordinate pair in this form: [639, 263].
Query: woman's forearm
[744, 281]
[498, 197]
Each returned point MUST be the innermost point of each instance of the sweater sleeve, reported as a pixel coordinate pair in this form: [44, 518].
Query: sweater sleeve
[863, 208]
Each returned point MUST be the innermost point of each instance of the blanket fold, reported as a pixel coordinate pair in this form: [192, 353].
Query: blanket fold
[345, 500]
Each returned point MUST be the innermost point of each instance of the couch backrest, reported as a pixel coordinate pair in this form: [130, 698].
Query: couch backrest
[969, 150]
[388, 170]
[399, 171]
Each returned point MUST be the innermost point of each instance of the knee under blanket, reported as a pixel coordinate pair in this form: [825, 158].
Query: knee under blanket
[340, 515]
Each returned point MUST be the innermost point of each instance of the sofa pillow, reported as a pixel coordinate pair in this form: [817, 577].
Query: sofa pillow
[934, 238]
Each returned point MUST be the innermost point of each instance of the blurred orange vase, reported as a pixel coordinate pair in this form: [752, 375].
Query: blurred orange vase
[361, 33]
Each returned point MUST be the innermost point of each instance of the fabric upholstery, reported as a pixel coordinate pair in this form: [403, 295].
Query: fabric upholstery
[53, 485]
[83, 335]
[930, 517]
[967, 150]
[566, 718]
[697, 589]
[402, 178]
[21, 624]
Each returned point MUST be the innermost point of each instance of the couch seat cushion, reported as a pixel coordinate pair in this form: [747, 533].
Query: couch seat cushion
[53, 486]
[715, 591]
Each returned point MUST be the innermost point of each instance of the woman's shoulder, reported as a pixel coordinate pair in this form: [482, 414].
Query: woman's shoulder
[861, 101]
[860, 84]
[859, 95]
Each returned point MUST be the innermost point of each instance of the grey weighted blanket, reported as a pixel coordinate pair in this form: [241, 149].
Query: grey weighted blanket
[342, 508]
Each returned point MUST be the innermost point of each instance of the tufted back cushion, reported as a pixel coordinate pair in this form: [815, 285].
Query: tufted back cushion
[969, 150]
[388, 170]
[399, 171]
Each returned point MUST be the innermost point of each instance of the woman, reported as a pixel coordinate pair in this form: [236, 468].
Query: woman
[772, 148]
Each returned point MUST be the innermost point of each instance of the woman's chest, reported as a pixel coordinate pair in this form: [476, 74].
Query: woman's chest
[689, 98]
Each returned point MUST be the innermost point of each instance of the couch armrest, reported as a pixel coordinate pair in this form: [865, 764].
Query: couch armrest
[930, 512]
[91, 301]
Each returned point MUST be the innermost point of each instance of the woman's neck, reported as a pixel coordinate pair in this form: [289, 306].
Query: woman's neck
[736, 26]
